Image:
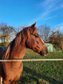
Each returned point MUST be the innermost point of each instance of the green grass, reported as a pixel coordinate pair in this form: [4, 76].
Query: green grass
[42, 72]
[54, 55]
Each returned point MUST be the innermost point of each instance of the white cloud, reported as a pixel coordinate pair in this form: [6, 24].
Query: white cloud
[49, 18]
[49, 7]
[59, 27]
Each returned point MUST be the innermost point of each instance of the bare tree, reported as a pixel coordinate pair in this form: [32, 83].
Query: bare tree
[44, 32]
[6, 32]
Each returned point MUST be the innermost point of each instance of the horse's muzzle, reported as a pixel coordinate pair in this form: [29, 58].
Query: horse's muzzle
[44, 52]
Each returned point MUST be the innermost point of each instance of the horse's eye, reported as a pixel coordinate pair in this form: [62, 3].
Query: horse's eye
[37, 42]
[36, 35]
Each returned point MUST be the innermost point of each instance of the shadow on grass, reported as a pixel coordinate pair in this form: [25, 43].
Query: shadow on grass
[35, 78]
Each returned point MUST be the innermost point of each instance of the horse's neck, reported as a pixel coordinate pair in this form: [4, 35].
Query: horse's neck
[18, 53]
[15, 50]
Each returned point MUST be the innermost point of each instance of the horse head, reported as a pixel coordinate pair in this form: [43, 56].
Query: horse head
[29, 38]
[33, 40]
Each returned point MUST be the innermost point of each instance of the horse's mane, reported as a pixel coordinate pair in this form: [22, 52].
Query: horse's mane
[13, 45]
[18, 41]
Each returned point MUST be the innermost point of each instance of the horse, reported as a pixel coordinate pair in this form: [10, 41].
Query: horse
[26, 38]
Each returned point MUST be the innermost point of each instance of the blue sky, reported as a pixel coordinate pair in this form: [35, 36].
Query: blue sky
[25, 12]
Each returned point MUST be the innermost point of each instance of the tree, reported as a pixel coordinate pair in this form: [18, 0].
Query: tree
[56, 38]
[44, 32]
[6, 32]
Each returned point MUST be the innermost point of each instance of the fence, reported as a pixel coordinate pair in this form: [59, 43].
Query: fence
[26, 60]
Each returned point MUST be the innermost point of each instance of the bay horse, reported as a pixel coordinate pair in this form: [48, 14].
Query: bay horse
[27, 38]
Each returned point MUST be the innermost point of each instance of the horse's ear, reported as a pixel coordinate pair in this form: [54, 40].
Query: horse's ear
[33, 25]
[33, 28]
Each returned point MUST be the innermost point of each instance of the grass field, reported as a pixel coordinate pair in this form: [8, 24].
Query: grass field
[42, 72]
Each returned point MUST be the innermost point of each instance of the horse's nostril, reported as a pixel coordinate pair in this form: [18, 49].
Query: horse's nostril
[43, 53]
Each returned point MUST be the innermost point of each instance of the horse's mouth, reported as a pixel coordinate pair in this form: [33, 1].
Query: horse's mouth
[43, 53]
